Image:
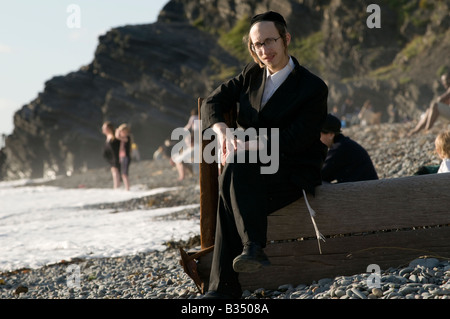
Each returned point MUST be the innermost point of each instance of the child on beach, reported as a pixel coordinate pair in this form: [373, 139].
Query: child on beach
[442, 143]
[123, 135]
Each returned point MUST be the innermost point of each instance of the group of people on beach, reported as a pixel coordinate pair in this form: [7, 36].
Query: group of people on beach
[117, 152]
[348, 161]
[439, 107]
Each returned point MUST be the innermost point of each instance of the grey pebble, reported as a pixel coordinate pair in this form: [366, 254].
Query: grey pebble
[406, 290]
[424, 262]
[359, 293]
[339, 292]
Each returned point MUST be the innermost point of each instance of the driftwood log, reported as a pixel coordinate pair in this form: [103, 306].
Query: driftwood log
[386, 222]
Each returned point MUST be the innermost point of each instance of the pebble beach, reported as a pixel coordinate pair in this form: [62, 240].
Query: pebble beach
[159, 275]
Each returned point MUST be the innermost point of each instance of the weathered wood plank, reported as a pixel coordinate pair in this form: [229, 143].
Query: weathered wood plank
[209, 185]
[208, 196]
[300, 262]
[367, 206]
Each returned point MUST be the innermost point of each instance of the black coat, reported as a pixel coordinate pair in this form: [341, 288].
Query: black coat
[298, 108]
[347, 161]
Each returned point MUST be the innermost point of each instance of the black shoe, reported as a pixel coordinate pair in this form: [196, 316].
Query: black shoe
[252, 259]
[218, 295]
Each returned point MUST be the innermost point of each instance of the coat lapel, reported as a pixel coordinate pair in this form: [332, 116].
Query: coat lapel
[257, 90]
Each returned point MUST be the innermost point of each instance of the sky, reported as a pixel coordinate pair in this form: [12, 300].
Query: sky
[47, 38]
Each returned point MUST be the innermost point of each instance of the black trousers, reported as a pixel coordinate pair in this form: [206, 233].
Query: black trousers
[246, 198]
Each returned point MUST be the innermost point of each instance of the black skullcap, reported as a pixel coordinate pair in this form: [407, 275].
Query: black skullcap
[332, 125]
[268, 16]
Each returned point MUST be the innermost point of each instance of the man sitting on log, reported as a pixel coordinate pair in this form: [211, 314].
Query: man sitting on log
[273, 92]
[346, 161]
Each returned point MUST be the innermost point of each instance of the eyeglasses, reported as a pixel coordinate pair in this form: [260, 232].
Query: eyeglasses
[268, 43]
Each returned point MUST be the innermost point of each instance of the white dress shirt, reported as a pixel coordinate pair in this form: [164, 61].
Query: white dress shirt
[273, 81]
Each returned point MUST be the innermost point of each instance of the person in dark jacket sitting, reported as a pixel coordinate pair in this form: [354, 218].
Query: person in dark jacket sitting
[346, 160]
[273, 92]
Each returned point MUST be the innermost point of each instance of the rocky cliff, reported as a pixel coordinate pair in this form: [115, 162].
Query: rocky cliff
[146, 75]
[150, 75]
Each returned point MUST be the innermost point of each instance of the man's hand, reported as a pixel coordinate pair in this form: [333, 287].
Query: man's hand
[227, 145]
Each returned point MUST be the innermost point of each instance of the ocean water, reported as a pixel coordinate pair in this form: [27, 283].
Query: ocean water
[41, 225]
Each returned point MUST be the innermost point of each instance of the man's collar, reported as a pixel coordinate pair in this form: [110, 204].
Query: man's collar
[281, 75]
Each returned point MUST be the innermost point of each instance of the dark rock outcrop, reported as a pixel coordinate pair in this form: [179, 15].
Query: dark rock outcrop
[146, 75]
